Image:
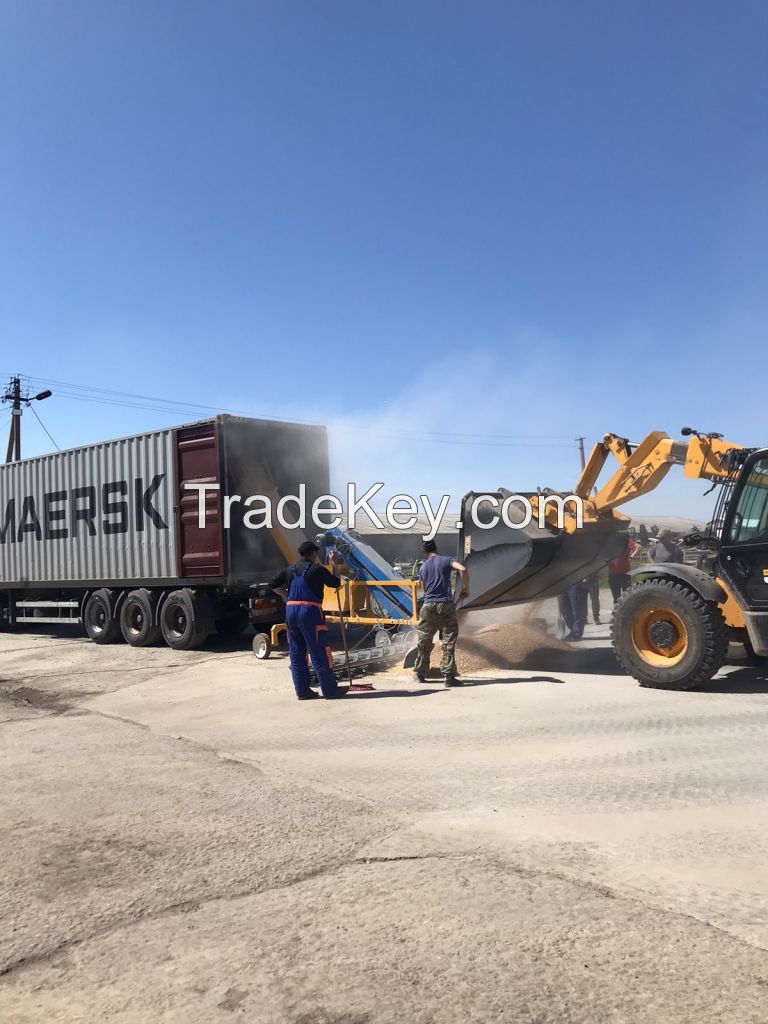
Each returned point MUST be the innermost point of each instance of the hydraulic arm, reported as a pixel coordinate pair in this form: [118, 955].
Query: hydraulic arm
[643, 466]
[512, 566]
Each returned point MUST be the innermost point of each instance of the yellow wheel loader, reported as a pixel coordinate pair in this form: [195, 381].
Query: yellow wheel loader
[671, 628]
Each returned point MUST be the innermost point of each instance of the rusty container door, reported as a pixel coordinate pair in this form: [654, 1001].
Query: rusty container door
[200, 550]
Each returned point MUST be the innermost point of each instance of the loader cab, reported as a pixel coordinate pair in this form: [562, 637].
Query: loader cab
[744, 538]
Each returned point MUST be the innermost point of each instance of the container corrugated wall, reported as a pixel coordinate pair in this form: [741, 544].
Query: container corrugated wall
[128, 484]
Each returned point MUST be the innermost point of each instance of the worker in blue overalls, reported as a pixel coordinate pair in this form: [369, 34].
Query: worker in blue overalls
[301, 587]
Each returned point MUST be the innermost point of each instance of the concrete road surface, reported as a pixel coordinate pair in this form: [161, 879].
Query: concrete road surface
[184, 842]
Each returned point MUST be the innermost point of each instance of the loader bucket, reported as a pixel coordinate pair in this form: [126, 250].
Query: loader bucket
[512, 566]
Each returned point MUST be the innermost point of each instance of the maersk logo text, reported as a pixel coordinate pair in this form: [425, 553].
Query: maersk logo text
[64, 514]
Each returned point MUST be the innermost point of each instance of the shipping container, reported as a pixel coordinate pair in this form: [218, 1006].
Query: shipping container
[86, 532]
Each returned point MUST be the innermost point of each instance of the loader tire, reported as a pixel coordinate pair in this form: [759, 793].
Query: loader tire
[667, 636]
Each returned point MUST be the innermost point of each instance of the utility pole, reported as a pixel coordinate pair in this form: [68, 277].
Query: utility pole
[580, 442]
[13, 394]
[14, 436]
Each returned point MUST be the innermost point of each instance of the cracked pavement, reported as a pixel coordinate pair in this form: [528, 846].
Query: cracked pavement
[183, 842]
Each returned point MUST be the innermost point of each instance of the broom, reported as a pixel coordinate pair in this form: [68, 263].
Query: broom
[353, 687]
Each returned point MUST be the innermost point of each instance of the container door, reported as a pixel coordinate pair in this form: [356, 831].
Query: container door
[200, 550]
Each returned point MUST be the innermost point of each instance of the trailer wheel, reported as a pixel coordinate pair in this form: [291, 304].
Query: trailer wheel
[667, 636]
[99, 624]
[181, 621]
[137, 619]
[262, 646]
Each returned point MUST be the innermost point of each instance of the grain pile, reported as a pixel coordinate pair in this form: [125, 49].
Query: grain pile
[502, 646]
[508, 645]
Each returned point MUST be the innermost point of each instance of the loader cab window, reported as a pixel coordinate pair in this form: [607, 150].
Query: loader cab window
[749, 523]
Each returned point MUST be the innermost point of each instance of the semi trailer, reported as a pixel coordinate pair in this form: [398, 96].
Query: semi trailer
[109, 535]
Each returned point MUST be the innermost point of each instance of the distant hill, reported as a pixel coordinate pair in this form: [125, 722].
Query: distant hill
[676, 524]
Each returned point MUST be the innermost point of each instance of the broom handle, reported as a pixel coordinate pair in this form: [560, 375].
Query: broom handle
[344, 636]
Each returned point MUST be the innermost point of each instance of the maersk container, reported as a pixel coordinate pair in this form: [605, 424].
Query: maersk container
[85, 532]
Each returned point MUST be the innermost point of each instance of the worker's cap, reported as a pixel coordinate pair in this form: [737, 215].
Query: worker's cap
[308, 548]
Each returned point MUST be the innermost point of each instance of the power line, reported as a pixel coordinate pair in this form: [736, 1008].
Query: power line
[163, 402]
[114, 395]
[477, 444]
[147, 403]
[45, 428]
[167, 403]
[178, 409]
[428, 437]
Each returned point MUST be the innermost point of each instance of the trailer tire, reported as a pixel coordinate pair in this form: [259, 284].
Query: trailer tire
[668, 636]
[137, 619]
[182, 621]
[100, 625]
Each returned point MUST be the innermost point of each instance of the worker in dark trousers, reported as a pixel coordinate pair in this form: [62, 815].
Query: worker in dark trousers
[593, 589]
[301, 587]
[438, 613]
[576, 595]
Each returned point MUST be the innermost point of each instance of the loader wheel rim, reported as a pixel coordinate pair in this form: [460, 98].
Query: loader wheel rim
[660, 637]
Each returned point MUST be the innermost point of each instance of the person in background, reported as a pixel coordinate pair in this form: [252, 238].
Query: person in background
[565, 616]
[665, 549]
[438, 613]
[301, 586]
[577, 598]
[593, 589]
[618, 570]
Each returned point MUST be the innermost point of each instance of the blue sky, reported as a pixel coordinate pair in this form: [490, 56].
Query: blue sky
[545, 219]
